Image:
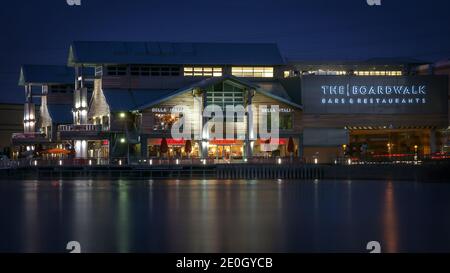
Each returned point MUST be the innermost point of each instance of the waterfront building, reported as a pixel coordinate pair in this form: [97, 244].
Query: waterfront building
[48, 104]
[343, 116]
[134, 92]
[439, 68]
[328, 111]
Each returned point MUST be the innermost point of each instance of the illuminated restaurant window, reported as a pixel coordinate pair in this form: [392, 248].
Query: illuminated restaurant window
[163, 122]
[378, 73]
[203, 71]
[286, 73]
[252, 72]
[327, 72]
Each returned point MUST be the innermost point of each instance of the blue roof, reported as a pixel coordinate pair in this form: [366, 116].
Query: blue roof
[46, 74]
[272, 89]
[139, 99]
[128, 100]
[174, 53]
[60, 113]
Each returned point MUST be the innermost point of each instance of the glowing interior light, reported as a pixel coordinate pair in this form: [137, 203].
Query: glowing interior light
[279, 160]
[60, 163]
[35, 163]
[349, 161]
[120, 162]
[150, 162]
[316, 160]
[177, 161]
[90, 162]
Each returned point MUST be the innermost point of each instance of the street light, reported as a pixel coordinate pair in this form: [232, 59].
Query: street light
[122, 140]
[122, 115]
[415, 152]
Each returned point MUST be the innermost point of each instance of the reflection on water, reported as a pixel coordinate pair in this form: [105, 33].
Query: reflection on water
[390, 220]
[224, 216]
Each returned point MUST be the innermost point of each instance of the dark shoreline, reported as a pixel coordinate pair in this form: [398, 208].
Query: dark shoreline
[425, 172]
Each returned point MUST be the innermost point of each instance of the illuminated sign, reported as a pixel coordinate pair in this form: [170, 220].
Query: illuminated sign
[167, 109]
[374, 95]
[370, 94]
[274, 110]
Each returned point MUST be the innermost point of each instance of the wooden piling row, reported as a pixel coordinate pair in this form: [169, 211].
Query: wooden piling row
[225, 171]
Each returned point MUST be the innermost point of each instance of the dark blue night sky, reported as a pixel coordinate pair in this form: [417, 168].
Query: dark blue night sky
[39, 32]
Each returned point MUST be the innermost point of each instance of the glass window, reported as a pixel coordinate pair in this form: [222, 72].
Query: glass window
[286, 121]
[378, 73]
[117, 70]
[163, 122]
[223, 94]
[252, 72]
[202, 71]
[148, 70]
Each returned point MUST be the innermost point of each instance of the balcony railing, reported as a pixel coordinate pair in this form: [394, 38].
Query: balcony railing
[83, 131]
[80, 128]
[32, 137]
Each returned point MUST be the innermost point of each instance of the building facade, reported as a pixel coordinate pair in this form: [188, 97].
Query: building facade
[326, 111]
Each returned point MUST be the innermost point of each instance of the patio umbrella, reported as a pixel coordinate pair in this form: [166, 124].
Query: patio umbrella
[164, 148]
[188, 147]
[57, 151]
[291, 147]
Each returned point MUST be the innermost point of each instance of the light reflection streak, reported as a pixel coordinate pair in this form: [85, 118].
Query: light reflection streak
[390, 226]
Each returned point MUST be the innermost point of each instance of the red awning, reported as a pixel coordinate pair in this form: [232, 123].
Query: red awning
[170, 141]
[225, 142]
[279, 141]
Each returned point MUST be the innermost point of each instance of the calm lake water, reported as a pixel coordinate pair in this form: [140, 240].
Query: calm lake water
[224, 216]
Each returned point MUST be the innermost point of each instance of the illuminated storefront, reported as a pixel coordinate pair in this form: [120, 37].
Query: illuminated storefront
[327, 112]
[373, 118]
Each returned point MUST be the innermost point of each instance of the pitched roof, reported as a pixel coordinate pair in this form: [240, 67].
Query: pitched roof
[199, 85]
[60, 113]
[270, 89]
[174, 53]
[128, 100]
[46, 74]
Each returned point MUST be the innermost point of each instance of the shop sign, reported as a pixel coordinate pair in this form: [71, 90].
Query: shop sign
[374, 94]
[176, 109]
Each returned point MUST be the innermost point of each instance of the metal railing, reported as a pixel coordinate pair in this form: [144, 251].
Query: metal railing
[123, 161]
[157, 161]
[80, 128]
[31, 135]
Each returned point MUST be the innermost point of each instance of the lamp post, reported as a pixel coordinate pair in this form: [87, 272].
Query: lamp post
[416, 157]
[122, 116]
[389, 146]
